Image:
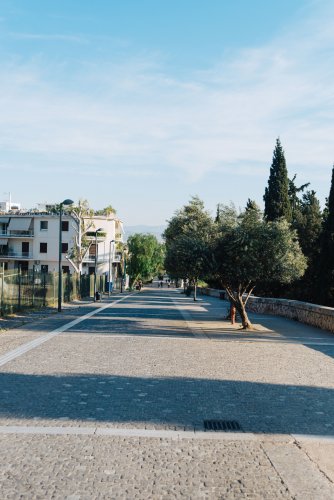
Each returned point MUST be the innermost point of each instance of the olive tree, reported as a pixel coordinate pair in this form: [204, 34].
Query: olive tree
[249, 250]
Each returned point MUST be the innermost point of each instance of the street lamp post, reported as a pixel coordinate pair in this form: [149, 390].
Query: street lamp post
[124, 269]
[110, 264]
[60, 274]
[95, 269]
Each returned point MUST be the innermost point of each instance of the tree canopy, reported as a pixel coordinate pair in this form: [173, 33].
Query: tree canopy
[325, 283]
[145, 257]
[107, 211]
[253, 250]
[188, 238]
[276, 197]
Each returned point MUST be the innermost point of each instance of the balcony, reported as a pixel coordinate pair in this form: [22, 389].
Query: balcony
[101, 236]
[16, 255]
[102, 258]
[15, 233]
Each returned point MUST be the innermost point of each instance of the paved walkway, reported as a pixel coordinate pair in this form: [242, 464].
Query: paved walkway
[109, 401]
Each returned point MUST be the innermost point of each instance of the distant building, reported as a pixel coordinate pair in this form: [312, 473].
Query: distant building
[31, 240]
[7, 206]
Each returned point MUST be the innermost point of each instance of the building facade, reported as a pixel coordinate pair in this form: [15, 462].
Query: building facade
[31, 240]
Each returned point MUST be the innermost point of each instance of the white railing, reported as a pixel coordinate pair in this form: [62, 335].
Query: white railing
[17, 234]
[16, 255]
[102, 258]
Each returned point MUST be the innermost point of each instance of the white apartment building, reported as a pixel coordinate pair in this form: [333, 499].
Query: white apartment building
[31, 240]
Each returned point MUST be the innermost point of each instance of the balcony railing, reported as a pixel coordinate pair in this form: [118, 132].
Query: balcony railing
[102, 258]
[16, 255]
[14, 233]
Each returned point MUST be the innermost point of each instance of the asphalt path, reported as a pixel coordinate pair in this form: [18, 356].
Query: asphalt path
[111, 399]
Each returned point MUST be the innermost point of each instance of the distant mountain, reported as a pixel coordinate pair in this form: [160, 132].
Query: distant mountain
[156, 230]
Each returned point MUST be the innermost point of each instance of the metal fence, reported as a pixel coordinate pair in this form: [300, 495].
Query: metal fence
[31, 289]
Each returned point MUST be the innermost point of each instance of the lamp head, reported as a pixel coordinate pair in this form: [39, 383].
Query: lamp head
[67, 202]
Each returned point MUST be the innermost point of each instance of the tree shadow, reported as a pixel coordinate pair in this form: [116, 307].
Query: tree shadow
[174, 402]
[267, 328]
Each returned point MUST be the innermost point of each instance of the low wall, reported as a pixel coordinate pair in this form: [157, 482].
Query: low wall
[213, 292]
[310, 314]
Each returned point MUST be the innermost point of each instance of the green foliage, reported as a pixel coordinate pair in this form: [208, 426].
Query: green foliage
[325, 282]
[228, 216]
[192, 218]
[188, 257]
[256, 250]
[145, 257]
[107, 211]
[253, 211]
[188, 239]
[308, 223]
[295, 201]
[276, 197]
[252, 250]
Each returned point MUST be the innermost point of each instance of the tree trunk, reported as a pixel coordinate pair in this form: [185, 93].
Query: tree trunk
[195, 291]
[246, 324]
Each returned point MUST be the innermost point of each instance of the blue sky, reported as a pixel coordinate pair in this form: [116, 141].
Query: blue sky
[143, 103]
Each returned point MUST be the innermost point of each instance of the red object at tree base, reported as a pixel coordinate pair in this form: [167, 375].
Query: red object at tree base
[233, 312]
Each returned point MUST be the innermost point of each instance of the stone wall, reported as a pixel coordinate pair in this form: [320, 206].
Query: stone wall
[310, 314]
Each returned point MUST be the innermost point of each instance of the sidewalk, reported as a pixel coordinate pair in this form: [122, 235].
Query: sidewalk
[114, 405]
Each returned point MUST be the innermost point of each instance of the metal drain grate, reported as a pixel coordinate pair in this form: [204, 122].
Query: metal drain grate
[221, 425]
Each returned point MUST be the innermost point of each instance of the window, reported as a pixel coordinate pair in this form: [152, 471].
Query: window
[43, 247]
[43, 225]
[64, 225]
[66, 269]
[64, 247]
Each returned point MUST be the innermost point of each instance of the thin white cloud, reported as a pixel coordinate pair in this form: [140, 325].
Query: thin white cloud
[134, 113]
[48, 37]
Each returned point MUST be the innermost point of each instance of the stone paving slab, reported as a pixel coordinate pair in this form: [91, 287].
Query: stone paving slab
[321, 453]
[292, 465]
[88, 467]
[139, 365]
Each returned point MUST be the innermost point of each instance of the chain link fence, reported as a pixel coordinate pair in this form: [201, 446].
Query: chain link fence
[31, 289]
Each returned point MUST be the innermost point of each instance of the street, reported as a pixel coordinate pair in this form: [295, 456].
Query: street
[111, 399]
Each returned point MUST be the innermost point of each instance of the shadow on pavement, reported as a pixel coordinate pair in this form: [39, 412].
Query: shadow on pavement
[182, 403]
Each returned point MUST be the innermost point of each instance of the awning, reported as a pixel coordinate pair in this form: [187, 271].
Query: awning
[19, 224]
[3, 241]
[4, 220]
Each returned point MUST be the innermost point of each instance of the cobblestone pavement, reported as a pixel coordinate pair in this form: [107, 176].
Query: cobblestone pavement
[112, 404]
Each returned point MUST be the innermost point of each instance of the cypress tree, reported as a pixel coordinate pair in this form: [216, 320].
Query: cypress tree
[308, 223]
[276, 197]
[307, 220]
[325, 285]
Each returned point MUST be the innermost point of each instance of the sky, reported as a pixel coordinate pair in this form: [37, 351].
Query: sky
[141, 104]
